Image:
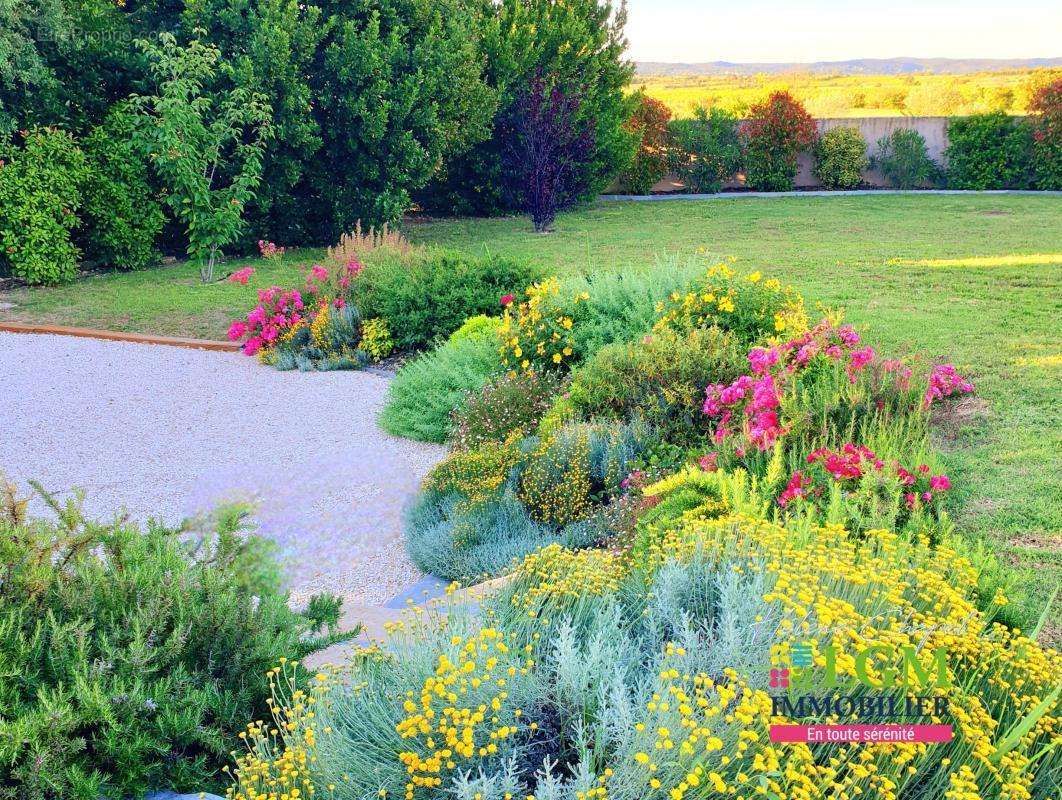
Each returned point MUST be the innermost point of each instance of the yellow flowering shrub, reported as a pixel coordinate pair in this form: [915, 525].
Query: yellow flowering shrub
[475, 696]
[555, 484]
[376, 339]
[751, 307]
[475, 474]
[537, 333]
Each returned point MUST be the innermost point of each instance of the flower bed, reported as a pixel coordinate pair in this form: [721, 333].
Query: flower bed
[677, 554]
[599, 675]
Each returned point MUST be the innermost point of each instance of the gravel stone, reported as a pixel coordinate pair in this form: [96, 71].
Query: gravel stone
[167, 432]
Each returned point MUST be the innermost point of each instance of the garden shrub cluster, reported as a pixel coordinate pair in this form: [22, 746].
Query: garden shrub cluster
[986, 151]
[701, 497]
[347, 315]
[725, 374]
[603, 308]
[130, 659]
[291, 122]
[595, 674]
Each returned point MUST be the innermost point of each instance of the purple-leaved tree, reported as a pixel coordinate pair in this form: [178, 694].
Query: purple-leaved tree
[547, 141]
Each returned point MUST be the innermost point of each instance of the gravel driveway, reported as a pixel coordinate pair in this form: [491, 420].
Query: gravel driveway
[167, 432]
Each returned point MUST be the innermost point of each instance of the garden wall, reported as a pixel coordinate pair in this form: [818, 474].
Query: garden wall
[933, 130]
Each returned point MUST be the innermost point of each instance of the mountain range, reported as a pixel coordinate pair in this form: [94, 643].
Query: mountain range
[855, 66]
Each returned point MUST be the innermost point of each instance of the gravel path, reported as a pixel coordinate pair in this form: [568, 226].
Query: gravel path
[167, 432]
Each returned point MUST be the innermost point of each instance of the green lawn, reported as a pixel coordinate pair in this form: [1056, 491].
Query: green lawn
[997, 318]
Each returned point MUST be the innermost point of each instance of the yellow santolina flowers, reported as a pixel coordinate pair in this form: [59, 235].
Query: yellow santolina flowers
[691, 734]
[555, 486]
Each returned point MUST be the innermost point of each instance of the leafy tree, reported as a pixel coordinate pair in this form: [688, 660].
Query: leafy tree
[27, 81]
[207, 149]
[550, 144]
[578, 46]
[398, 89]
[648, 123]
[272, 46]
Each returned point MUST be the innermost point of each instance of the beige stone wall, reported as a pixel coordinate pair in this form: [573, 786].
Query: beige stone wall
[933, 130]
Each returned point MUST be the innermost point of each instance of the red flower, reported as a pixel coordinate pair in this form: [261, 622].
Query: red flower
[507, 300]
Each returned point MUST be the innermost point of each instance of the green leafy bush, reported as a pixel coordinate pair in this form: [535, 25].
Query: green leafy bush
[1046, 105]
[660, 378]
[988, 151]
[427, 295]
[426, 391]
[121, 216]
[840, 158]
[511, 404]
[774, 133]
[40, 194]
[706, 149]
[131, 659]
[649, 123]
[904, 159]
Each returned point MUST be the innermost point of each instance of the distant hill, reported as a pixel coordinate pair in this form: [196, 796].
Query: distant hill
[855, 66]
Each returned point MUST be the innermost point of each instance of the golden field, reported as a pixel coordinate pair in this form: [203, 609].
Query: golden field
[920, 94]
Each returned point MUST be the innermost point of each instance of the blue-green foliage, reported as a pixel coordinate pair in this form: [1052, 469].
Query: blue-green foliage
[426, 391]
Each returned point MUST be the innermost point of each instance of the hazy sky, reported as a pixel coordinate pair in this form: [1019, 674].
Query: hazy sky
[827, 30]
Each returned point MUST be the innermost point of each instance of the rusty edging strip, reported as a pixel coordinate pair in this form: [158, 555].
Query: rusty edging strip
[121, 336]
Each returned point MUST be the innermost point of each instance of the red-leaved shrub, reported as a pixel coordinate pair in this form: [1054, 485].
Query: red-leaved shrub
[774, 132]
[1046, 105]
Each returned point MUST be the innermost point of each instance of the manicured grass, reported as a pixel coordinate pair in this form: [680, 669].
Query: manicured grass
[897, 264]
[167, 300]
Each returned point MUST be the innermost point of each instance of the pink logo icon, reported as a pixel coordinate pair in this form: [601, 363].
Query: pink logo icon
[780, 678]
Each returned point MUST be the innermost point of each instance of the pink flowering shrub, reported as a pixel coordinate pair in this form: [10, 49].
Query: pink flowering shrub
[827, 386]
[277, 312]
[241, 276]
[824, 380]
[846, 468]
[313, 327]
[270, 251]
